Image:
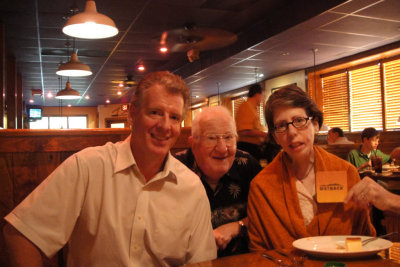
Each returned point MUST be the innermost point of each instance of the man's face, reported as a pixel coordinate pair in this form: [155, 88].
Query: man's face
[156, 122]
[332, 136]
[215, 156]
[371, 143]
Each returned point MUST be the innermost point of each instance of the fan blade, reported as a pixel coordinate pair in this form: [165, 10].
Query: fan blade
[182, 40]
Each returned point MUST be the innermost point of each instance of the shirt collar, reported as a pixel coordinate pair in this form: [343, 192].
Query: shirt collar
[169, 170]
[361, 154]
[125, 160]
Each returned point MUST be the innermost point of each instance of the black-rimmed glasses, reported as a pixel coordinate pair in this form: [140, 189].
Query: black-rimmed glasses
[298, 123]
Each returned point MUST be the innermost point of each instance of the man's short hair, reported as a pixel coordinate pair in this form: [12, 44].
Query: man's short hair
[174, 84]
[369, 133]
[338, 131]
[254, 89]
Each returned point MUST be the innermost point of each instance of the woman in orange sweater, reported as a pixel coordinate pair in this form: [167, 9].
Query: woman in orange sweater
[284, 201]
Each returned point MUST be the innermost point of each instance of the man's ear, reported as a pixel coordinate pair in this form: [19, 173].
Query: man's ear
[131, 110]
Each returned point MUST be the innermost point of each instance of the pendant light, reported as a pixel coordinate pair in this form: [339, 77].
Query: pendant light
[90, 24]
[74, 68]
[68, 93]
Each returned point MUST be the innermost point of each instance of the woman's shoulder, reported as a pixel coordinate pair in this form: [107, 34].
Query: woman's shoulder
[270, 175]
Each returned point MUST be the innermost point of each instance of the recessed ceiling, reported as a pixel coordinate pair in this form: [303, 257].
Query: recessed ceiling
[274, 37]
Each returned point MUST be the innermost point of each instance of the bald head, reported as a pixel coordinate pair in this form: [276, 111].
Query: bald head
[213, 142]
[212, 115]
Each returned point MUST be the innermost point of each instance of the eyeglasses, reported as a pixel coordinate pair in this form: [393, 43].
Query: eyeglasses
[211, 140]
[298, 123]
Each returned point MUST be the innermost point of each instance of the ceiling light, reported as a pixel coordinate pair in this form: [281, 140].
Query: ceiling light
[163, 49]
[119, 93]
[74, 68]
[68, 93]
[90, 24]
[87, 97]
[108, 101]
[141, 67]
[49, 94]
[69, 105]
[121, 84]
[31, 101]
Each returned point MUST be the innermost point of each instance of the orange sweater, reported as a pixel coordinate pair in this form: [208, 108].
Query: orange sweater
[273, 209]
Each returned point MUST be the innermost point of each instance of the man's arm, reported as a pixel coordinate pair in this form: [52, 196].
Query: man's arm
[22, 251]
[224, 233]
[367, 191]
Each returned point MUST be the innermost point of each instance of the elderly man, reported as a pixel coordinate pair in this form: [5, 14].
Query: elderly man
[124, 204]
[225, 173]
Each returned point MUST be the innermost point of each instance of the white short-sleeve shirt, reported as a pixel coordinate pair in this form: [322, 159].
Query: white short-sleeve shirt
[100, 203]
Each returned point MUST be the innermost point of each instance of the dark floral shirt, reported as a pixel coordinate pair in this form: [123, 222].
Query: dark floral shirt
[229, 200]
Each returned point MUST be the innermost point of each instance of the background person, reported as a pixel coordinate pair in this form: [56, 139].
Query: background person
[225, 173]
[336, 137]
[125, 204]
[282, 205]
[361, 157]
[395, 155]
[251, 133]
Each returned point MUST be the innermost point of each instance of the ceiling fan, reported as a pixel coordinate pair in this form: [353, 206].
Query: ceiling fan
[126, 84]
[192, 40]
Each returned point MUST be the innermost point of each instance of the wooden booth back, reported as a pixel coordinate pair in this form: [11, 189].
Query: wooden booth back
[27, 157]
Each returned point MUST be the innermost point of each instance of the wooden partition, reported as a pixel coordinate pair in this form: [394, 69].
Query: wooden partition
[29, 156]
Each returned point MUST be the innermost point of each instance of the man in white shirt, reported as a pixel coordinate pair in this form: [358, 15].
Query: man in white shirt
[125, 204]
[336, 137]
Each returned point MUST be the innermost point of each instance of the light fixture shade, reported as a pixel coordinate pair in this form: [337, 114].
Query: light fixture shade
[90, 24]
[74, 68]
[68, 93]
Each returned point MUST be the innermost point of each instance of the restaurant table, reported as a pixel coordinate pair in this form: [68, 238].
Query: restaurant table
[256, 259]
[384, 176]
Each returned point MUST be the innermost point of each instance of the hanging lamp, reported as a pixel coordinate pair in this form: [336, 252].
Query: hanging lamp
[90, 24]
[68, 93]
[74, 68]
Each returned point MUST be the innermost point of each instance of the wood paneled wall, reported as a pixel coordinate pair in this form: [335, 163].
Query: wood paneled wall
[29, 156]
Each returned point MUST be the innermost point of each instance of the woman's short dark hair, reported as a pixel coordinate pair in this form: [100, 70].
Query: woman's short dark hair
[291, 96]
[254, 89]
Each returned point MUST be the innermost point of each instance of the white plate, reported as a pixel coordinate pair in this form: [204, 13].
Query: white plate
[390, 167]
[334, 246]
